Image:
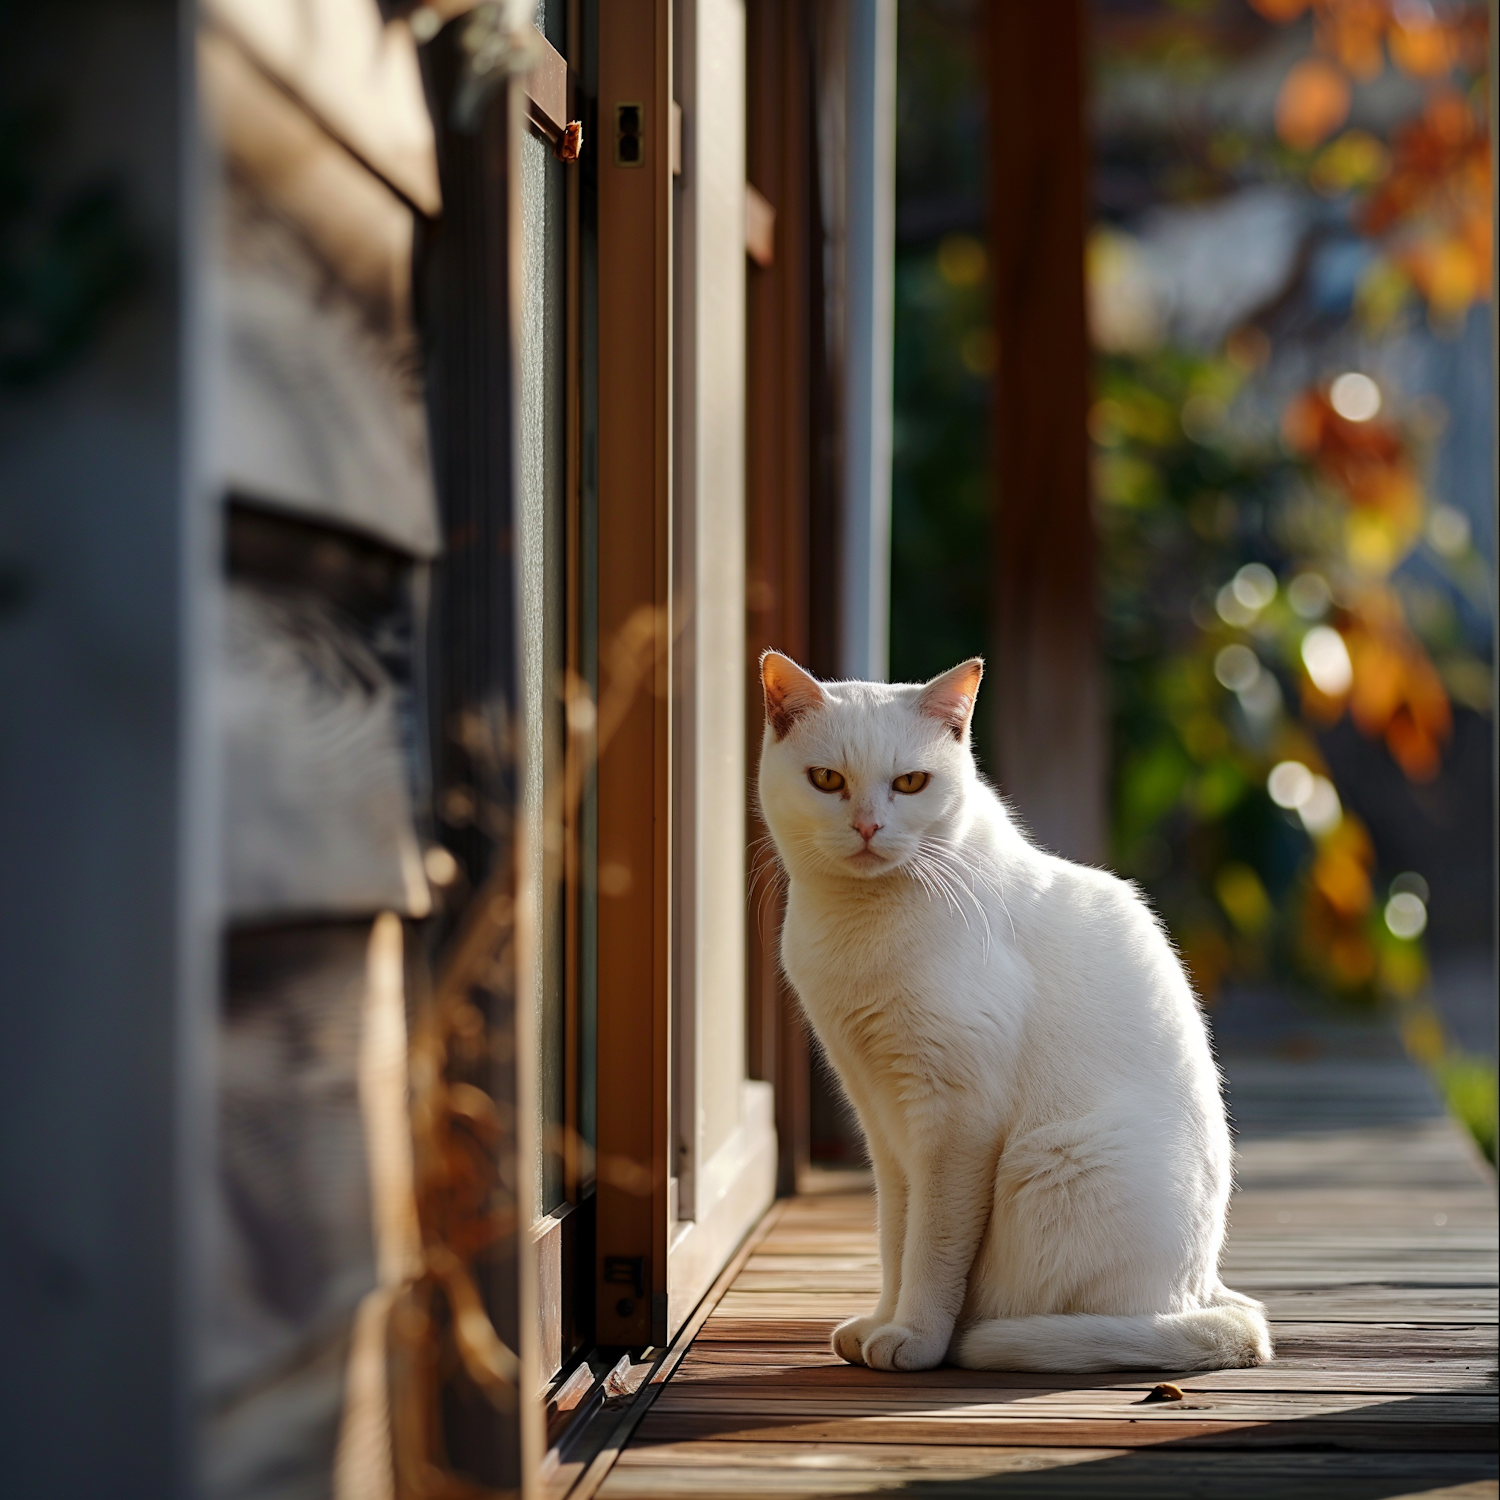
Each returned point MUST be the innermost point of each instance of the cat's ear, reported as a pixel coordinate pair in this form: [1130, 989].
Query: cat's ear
[790, 692]
[950, 698]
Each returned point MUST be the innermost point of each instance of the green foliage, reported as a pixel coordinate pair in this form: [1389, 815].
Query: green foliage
[1470, 1087]
[1177, 516]
[940, 545]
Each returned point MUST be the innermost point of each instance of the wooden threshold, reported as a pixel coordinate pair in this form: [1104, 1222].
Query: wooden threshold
[610, 1412]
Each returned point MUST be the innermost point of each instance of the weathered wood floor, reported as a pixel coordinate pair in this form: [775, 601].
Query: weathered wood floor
[1362, 1220]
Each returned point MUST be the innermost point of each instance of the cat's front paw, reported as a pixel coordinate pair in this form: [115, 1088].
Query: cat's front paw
[897, 1347]
[849, 1337]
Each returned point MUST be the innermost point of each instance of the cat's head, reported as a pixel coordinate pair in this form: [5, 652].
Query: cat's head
[854, 776]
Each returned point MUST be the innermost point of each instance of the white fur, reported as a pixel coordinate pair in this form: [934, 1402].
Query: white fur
[1044, 1118]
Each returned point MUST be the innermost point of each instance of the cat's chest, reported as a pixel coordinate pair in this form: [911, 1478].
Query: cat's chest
[832, 950]
[893, 989]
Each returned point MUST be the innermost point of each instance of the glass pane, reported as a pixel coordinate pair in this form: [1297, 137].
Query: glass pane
[543, 572]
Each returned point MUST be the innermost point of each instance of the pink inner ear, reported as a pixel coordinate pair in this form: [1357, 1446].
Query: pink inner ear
[790, 692]
[950, 698]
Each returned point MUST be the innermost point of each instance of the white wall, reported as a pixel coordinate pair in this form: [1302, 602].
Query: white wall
[722, 1124]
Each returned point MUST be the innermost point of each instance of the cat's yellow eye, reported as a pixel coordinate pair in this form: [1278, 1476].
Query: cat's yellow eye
[913, 781]
[826, 780]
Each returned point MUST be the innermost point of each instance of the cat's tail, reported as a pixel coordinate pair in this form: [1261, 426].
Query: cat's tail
[1226, 1336]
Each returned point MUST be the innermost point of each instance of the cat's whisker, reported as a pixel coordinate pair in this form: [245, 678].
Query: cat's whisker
[949, 855]
[944, 859]
[768, 879]
[944, 885]
[768, 885]
[978, 905]
[928, 884]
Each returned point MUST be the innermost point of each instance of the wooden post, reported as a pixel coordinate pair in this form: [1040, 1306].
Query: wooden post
[1045, 690]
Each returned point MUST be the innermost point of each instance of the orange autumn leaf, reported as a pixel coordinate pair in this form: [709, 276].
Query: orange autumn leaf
[1335, 945]
[1451, 274]
[1435, 205]
[1279, 12]
[1312, 104]
[1422, 45]
[1208, 957]
[1379, 680]
[1333, 937]
[1352, 32]
[1343, 882]
[1439, 161]
[1368, 461]
[1413, 746]
[1353, 838]
[1352, 958]
[1397, 693]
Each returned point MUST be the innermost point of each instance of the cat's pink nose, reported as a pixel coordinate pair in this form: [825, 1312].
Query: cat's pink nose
[867, 831]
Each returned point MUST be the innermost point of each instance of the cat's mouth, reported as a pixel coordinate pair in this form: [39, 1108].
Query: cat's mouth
[867, 858]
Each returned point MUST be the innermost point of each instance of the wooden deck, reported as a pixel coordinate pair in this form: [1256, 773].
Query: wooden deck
[1363, 1220]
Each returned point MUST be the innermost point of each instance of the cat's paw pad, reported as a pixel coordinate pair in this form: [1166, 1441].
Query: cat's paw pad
[897, 1347]
[849, 1336]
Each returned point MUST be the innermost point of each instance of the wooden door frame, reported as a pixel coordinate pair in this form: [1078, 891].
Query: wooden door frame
[634, 776]
[779, 491]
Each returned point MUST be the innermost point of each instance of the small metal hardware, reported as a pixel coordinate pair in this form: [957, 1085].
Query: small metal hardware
[630, 135]
[626, 1270]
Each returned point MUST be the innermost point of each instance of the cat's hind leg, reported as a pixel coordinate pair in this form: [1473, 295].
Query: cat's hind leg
[1100, 1214]
[1102, 1256]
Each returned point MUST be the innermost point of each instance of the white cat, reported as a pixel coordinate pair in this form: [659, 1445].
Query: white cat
[1052, 1162]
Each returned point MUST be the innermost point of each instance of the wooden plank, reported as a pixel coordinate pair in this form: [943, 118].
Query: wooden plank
[778, 1381]
[999, 1404]
[318, 810]
[1378, 1304]
[1373, 1433]
[293, 1236]
[547, 90]
[358, 74]
[1297, 1342]
[321, 413]
[817, 1374]
[354, 221]
[728, 1469]
[1399, 1265]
